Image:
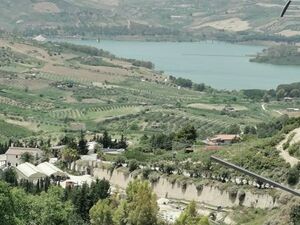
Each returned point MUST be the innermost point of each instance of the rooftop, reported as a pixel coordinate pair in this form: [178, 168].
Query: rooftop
[27, 170]
[21, 150]
[225, 137]
[50, 170]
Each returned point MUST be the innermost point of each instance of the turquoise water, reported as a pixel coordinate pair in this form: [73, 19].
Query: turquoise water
[220, 65]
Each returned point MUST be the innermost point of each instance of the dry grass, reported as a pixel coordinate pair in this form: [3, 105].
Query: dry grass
[232, 24]
[218, 107]
[289, 33]
[46, 7]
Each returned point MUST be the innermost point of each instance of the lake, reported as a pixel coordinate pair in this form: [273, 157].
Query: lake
[218, 64]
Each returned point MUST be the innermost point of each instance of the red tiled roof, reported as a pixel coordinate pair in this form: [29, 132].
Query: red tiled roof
[225, 137]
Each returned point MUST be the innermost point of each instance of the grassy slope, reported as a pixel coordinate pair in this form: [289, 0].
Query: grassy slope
[126, 103]
[180, 15]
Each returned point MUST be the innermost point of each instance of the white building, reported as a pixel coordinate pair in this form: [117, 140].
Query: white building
[50, 170]
[13, 155]
[29, 172]
[2, 161]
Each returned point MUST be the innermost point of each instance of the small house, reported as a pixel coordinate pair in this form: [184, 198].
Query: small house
[223, 139]
[13, 155]
[288, 99]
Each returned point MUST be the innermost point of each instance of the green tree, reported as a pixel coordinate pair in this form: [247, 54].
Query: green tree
[106, 140]
[142, 204]
[10, 176]
[266, 98]
[190, 216]
[48, 208]
[121, 214]
[233, 129]
[7, 214]
[102, 213]
[280, 94]
[27, 157]
[199, 87]
[295, 93]
[188, 133]
[82, 145]
[69, 155]
[133, 165]
[293, 176]
[295, 215]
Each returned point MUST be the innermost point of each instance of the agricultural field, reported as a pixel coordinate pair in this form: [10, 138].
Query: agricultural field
[63, 87]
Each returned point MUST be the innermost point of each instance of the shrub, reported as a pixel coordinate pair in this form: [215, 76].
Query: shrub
[146, 172]
[233, 191]
[172, 179]
[241, 196]
[199, 186]
[133, 165]
[293, 176]
[154, 177]
[135, 174]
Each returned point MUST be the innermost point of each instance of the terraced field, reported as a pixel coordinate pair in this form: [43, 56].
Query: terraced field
[54, 102]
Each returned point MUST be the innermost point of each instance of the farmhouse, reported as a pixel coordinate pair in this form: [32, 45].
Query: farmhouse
[223, 139]
[288, 99]
[13, 155]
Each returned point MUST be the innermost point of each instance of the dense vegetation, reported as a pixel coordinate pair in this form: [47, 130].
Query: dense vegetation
[68, 100]
[161, 20]
[279, 55]
[86, 205]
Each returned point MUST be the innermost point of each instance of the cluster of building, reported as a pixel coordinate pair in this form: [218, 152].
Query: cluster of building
[33, 173]
[37, 171]
[28, 171]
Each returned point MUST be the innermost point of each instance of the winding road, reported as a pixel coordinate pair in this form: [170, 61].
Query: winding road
[284, 153]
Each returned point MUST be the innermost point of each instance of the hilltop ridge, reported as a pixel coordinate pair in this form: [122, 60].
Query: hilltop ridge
[180, 20]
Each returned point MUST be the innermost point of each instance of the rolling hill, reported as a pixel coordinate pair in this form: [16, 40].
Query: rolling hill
[180, 18]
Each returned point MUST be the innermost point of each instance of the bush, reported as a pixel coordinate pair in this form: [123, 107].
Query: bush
[241, 196]
[295, 149]
[133, 165]
[295, 215]
[172, 179]
[199, 186]
[233, 191]
[154, 177]
[146, 172]
[135, 174]
[293, 176]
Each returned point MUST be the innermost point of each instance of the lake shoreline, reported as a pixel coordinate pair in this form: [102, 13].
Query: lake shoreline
[221, 65]
[267, 43]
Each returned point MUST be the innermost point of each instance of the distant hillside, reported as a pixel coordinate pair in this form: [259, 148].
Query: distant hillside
[279, 55]
[250, 19]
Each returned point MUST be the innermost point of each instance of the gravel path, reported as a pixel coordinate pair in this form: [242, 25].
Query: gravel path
[284, 153]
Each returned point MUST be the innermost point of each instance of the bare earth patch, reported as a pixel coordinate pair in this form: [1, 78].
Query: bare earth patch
[289, 33]
[233, 24]
[28, 125]
[269, 5]
[91, 101]
[46, 7]
[218, 107]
